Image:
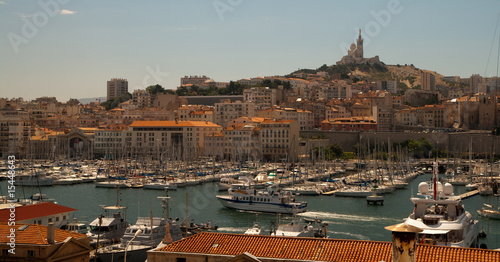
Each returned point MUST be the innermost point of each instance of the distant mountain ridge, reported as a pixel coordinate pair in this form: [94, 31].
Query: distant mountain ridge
[92, 99]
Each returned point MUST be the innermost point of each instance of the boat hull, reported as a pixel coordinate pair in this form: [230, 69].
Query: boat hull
[267, 207]
[136, 255]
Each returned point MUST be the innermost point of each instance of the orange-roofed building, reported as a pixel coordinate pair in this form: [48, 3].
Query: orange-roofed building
[350, 124]
[41, 213]
[32, 242]
[211, 247]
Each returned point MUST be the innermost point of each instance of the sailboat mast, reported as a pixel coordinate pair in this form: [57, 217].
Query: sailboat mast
[434, 178]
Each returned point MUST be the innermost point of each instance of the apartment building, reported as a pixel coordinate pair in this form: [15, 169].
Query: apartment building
[351, 124]
[263, 97]
[305, 118]
[195, 113]
[279, 139]
[172, 139]
[116, 87]
[109, 142]
[387, 85]
[194, 80]
[15, 130]
[428, 81]
[226, 111]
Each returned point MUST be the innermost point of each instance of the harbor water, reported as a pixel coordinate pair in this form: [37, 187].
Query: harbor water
[347, 218]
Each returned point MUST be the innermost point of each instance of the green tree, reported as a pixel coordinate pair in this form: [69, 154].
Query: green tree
[155, 89]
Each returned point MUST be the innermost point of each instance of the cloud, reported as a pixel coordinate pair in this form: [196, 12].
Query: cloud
[2, 3]
[66, 12]
[24, 15]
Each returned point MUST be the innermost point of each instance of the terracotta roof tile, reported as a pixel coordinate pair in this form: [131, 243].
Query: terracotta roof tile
[317, 249]
[34, 211]
[35, 234]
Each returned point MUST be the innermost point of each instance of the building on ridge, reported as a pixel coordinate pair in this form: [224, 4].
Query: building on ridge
[355, 54]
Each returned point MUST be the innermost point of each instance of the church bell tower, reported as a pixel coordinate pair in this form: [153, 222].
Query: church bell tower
[359, 48]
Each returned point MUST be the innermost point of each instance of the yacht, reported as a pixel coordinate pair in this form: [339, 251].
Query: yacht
[110, 228]
[147, 233]
[267, 200]
[442, 216]
[255, 230]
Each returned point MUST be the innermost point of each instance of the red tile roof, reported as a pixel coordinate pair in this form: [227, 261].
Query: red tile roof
[34, 234]
[317, 249]
[283, 247]
[34, 211]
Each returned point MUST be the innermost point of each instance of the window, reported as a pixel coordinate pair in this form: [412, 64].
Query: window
[31, 253]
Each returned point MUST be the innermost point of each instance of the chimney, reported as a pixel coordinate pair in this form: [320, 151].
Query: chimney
[50, 233]
[404, 238]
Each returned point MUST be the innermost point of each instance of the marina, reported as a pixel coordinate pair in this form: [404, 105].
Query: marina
[347, 217]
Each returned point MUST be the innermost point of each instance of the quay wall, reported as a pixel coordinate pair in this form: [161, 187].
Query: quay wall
[482, 143]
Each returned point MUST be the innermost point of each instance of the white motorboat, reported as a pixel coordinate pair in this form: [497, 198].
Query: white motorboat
[255, 230]
[160, 185]
[294, 229]
[442, 216]
[76, 226]
[113, 184]
[225, 183]
[354, 192]
[37, 179]
[268, 200]
[489, 212]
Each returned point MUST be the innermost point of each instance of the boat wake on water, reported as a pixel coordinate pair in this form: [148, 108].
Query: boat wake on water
[232, 229]
[350, 235]
[337, 217]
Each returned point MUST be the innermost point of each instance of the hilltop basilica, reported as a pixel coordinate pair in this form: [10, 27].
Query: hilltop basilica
[355, 54]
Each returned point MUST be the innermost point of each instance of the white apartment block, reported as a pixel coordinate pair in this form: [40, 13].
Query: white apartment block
[109, 143]
[141, 98]
[117, 87]
[169, 139]
[227, 111]
[15, 131]
[242, 143]
[251, 81]
[390, 85]
[263, 97]
[338, 90]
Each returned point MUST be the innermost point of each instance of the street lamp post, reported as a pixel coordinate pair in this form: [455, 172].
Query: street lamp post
[128, 243]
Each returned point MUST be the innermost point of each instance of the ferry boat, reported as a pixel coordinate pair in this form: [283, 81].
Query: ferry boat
[442, 216]
[268, 200]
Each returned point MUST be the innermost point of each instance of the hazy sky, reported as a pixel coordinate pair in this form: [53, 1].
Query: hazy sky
[70, 48]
